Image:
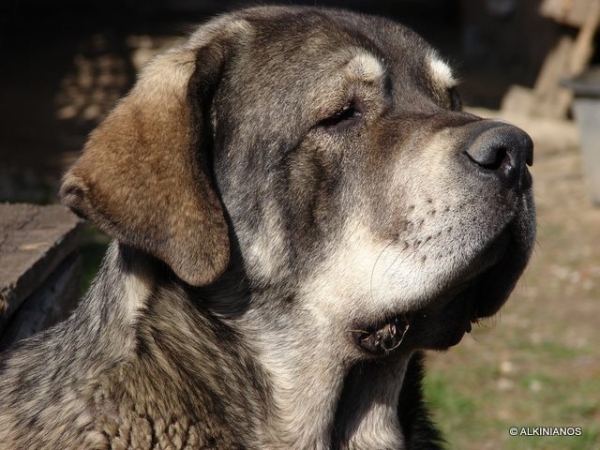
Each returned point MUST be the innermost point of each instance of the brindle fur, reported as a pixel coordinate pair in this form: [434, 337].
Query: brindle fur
[284, 178]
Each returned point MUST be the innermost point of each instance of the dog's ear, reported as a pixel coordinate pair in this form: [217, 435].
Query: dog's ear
[143, 177]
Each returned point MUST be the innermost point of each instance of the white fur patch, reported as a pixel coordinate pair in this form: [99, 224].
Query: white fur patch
[441, 72]
[365, 67]
[136, 290]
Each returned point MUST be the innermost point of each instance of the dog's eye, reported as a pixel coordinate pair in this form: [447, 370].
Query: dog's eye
[345, 116]
[455, 100]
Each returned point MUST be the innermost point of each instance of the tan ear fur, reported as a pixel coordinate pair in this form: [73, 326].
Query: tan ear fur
[140, 178]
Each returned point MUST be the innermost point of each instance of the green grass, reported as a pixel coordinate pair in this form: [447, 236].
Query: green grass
[475, 403]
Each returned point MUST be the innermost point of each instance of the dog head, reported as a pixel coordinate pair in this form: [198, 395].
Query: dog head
[332, 149]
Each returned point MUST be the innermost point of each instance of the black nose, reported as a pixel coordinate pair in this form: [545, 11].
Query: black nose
[502, 150]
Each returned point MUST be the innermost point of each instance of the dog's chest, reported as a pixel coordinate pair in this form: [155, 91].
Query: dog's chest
[142, 430]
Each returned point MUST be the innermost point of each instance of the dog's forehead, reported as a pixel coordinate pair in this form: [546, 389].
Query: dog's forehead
[318, 30]
[306, 63]
[368, 46]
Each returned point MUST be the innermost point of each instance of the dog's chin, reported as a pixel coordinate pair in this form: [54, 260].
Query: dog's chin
[443, 320]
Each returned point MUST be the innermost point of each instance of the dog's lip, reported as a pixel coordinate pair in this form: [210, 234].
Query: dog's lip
[486, 262]
[459, 303]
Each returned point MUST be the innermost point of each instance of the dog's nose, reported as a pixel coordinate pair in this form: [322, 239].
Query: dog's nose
[502, 150]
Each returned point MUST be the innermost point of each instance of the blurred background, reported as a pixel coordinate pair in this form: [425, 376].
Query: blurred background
[64, 64]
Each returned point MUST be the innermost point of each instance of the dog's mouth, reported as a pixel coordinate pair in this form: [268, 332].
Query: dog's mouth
[444, 320]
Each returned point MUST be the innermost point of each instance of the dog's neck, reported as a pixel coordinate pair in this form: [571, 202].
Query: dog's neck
[324, 399]
[367, 412]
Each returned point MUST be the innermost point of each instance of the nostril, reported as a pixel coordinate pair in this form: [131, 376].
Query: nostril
[492, 159]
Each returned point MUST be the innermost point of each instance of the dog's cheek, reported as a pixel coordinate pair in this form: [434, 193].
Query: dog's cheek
[385, 204]
[315, 182]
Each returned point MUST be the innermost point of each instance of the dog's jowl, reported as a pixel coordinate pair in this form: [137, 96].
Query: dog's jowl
[299, 207]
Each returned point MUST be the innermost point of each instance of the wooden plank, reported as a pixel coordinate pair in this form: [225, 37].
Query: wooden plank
[568, 12]
[549, 98]
[518, 100]
[51, 303]
[569, 58]
[33, 242]
[584, 45]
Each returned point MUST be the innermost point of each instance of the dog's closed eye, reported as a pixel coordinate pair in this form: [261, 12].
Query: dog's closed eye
[348, 115]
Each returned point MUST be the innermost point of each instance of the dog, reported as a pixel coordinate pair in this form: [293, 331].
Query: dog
[299, 208]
